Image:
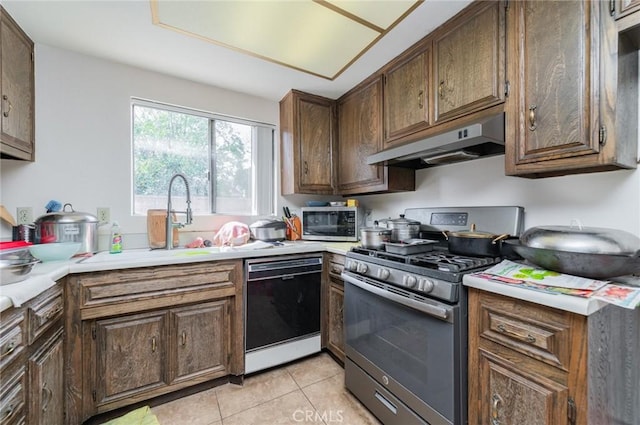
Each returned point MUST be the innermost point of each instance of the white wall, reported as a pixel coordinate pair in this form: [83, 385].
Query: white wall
[610, 199]
[83, 142]
[83, 156]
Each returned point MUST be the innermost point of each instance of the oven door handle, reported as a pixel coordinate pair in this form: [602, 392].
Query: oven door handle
[432, 310]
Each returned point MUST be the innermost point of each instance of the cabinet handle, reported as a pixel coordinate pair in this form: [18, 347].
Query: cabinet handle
[184, 338]
[5, 99]
[502, 329]
[306, 168]
[441, 89]
[153, 344]
[532, 117]
[530, 338]
[496, 400]
[47, 395]
[421, 99]
[10, 348]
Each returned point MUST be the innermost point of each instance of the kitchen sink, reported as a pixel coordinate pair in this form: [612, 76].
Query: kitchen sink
[148, 254]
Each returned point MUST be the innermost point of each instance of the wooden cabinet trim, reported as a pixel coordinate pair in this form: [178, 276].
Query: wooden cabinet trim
[44, 311]
[13, 340]
[13, 398]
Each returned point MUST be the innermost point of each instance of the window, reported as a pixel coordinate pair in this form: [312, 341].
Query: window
[228, 162]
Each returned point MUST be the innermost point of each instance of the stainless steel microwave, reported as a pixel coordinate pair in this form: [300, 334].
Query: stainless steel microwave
[331, 223]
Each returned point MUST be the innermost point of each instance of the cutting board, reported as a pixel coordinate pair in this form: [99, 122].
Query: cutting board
[157, 229]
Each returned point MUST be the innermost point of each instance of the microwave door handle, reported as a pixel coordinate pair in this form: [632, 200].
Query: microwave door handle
[441, 313]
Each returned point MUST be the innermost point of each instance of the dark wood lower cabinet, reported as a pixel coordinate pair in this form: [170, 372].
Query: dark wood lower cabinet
[333, 300]
[136, 334]
[46, 391]
[535, 365]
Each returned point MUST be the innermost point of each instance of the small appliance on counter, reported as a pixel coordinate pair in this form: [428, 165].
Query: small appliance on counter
[334, 224]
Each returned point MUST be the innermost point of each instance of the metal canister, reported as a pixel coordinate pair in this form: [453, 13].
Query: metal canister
[23, 232]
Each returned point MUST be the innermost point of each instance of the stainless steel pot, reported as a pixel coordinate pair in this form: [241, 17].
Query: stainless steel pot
[374, 237]
[268, 230]
[68, 226]
[593, 252]
[402, 229]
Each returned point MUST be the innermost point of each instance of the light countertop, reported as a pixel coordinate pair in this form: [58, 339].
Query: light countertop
[44, 275]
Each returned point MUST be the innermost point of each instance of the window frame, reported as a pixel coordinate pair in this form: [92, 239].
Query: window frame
[263, 160]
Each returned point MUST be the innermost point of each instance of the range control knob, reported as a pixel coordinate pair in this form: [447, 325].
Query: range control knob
[425, 285]
[352, 265]
[361, 268]
[383, 273]
[409, 281]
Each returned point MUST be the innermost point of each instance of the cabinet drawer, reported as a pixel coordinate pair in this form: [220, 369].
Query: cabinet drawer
[336, 264]
[152, 287]
[12, 338]
[12, 399]
[44, 312]
[533, 330]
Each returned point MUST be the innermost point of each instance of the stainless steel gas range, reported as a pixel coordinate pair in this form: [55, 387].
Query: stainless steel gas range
[406, 320]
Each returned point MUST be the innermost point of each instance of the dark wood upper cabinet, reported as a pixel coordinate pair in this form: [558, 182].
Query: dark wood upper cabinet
[307, 134]
[18, 91]
[469, 61]
[573, 104]
[406, 95]
[360, 135]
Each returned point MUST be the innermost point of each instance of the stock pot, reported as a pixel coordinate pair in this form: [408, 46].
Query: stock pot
[374, 237]
[68, 226]
[475, 243]
[402, 228]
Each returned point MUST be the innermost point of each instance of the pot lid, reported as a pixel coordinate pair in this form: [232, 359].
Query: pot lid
[65, 216]
[589, 240]
[472, 233]
[402, 221]
[268, 224]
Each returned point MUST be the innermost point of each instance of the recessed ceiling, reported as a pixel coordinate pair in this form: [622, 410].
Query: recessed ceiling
[123, 32]
[319, 37]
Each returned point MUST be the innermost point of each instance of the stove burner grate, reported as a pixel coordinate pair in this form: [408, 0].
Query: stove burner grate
[438, 259]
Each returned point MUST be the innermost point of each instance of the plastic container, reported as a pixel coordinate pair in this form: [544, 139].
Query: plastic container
[115, 242]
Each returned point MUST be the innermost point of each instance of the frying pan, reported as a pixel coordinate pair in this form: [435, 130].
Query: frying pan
[591, 265]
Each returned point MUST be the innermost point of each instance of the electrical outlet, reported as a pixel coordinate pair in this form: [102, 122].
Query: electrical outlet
[104, 216]
[25, 215]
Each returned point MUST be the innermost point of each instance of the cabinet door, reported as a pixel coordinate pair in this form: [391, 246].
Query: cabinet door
[406, 100]
[17, 84]
[627, 7]
[469, 61]
[360, 135]
[335, 335]
[46, 404]
[201, 340]
[557, 115]
[509, 396]
[131, 353]
[315, 127]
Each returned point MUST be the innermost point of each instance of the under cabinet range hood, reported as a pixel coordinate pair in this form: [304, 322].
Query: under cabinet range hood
[481, 138]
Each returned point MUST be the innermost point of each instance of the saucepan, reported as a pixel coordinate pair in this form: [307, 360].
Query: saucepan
[593, 252]
[475, 243]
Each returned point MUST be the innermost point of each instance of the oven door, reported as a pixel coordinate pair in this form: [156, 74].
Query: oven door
[408, 344]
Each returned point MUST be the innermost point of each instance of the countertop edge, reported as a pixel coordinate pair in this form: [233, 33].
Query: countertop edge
[573, 304]
[57, 270]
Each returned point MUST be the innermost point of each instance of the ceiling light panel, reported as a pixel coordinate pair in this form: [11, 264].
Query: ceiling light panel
[317, 37]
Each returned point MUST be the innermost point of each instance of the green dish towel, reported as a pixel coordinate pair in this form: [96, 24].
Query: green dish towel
[141, 416]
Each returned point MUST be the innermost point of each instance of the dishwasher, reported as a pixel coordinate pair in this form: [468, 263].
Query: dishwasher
[282, 309]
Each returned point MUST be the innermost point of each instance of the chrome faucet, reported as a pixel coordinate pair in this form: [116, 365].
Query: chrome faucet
[170, 224]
